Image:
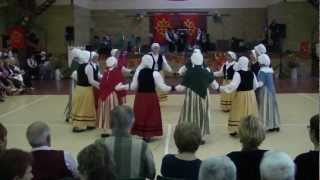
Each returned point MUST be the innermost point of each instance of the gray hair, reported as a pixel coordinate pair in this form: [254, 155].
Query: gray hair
[277, 166]
[38, 134]
[121, 118]
[218, 168]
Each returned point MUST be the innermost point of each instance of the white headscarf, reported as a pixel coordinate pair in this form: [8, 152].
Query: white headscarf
[111, 62]
[94, 55]
[264, 60]
[84, 57]
[146, 62]
[155, 45]
[232, 55]
[242, 64]
[197, 57]
[114, 52]
[75, 53]
[260, 49]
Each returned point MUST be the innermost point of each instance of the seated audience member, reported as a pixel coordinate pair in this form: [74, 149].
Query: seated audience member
[3, 137]
[48, 163]
[95, 163]
[15, 74]
[15, 165]
[218, 168]
[184, 165]
[277, 166]
[132, 156]
[308, 163]
[247, 161]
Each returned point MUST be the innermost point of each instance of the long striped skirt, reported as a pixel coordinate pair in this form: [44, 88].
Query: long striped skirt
[83, 112]
[196, 109]
[226, 99]
[104, 111]
[67, 111]
[244, 103]
[268, 109]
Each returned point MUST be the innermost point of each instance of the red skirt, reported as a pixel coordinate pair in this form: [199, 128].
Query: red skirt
[147, 115]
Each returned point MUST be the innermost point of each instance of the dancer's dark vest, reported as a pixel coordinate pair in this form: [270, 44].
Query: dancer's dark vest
[146, 81]
[246, 83]
[159, 62]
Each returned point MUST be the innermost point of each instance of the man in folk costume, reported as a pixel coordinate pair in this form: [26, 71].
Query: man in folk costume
[73, 67]
[244, 103]
[109, 97]
[148, 121]
[83, 112]
[227, 72]
[196, 80]
[160, 64]
[268, 106]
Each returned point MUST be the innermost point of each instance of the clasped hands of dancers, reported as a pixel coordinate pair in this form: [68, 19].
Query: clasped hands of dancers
[238, 91]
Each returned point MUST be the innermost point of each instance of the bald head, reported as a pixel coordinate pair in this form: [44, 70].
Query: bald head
[38, 134]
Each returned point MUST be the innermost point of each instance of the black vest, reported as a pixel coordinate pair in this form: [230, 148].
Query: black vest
[146, 81]
[246, 81]
[228, 73]
[159, 62]
[95, 72]
[82, 76]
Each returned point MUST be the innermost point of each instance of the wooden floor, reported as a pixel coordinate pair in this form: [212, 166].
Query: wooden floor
[296, 109]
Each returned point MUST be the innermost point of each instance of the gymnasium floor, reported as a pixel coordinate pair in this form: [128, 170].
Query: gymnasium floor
[295, 110]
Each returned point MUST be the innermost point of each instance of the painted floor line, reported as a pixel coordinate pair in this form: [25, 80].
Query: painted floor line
[315, 100]
[167, 142]
[24, 106]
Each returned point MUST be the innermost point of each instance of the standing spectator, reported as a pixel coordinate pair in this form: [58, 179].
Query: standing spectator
[48, 163]
[247, 161]
[277, 166]
[132, 156]
[170, 37]
[3, 137]
[218, 168]
[308, 163]
[184, 165]
[16, 165]
[95, 163]
[33, 67]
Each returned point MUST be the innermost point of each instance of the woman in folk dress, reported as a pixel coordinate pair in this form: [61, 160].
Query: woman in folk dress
[244, 103]
[109, 97]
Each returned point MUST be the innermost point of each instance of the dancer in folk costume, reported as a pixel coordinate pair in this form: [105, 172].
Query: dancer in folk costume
[122, 67]
[109, 97]
[161, 65]
[96, 69]
[73, 67]
[197, 78]
[148, 121]
[244, 103]
[83, 112]
[268, 106]
[227, 71]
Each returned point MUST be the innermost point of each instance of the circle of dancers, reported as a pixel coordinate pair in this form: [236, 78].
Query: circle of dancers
[243, 91]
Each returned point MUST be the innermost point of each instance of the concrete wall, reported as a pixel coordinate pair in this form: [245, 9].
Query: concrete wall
[82, 25]
[301, 20]
[51, 27]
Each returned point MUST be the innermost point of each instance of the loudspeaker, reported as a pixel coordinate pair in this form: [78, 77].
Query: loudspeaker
[69, 33]
[282, 30]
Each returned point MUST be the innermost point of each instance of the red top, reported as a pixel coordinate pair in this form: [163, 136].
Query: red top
[109, 81]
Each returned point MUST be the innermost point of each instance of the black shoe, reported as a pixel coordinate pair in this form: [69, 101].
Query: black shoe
[277, 129]
[67, 119]
[105, 135]
[270, 130]
[147, 140]
[202, 142]
[91, 128]
[77, 130]
[233, 134]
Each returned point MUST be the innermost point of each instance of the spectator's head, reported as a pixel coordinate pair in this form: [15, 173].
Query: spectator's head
[121, 119]
[38, 134]
[251, 132]
[155, 48]
[95, 163]
[277, 166]
[3, 137]
[187, 137]
[16, 165]
[218, 168]
[314, 130]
